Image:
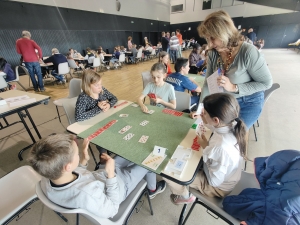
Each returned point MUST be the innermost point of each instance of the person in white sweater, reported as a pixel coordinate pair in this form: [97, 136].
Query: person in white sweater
[56, 158]
[222, 154]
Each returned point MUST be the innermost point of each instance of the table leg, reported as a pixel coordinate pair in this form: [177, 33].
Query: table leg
[33, 124]
[30, 134]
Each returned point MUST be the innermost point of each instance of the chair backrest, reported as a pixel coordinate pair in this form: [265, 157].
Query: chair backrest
[122, 58]
[118, 219]
[146, 77]
[63, 68]
[69, 107]
[269, 92]
[139, 54]
[183, 100]
[96, 62]
[72, 63]
[153, 52]
[74, 87]
[3, 83]
[17, 74]
[17, 189]
[91, 59]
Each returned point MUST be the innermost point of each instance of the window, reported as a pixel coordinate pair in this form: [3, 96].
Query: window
[177, 8]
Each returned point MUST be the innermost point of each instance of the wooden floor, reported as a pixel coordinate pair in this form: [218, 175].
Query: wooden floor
[125, 83]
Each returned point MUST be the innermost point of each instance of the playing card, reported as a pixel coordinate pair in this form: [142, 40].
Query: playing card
[152, 95]
[151, 111]
[123, 115]
[144, 123]
[143, 139]
[124, 129]
[128, 136]
[200, 129]
[134, 105]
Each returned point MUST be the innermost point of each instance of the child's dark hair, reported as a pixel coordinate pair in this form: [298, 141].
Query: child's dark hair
[2, 63]
[180, 62]
[225, 107]
[158, 67]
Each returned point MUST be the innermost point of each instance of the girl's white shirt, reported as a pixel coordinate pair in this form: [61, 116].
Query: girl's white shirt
[222, 160]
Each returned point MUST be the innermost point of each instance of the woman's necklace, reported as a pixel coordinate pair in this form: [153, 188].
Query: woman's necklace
[225, 68]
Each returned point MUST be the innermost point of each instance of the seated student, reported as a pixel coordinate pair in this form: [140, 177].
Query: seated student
[222, 154]
[89, 57]
[164, 58]
[165, 94]
[181, 82]
[67, 182]
[194, 58]
[147, 50]
[203, 49]
[56, 59]
[10, 75]
[134, 52]
[122, 49]
[116, 56]
[202, 65]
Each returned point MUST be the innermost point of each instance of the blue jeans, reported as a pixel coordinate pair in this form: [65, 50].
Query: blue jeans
[251, 107]
[173, 55]
[58, 77]
[195, 99]
[34, 68]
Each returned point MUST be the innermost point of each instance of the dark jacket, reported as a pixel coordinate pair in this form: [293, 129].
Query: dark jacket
[56, 59]
[10, 75]
[252, 36]
[278, 200]
[164, 43]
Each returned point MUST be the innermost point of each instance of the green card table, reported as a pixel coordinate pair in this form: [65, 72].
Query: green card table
[164, 130]
[198, 78]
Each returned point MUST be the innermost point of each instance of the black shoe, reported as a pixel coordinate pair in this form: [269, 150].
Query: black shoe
[160, 187]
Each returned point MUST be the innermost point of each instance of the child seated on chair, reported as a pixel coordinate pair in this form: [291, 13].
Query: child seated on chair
[164, 92]
[222, 154]
[10, 75]
[68, 183]
[181, 82]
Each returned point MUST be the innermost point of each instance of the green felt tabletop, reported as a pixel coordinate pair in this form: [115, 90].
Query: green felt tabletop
[198, 78]
[164, 130]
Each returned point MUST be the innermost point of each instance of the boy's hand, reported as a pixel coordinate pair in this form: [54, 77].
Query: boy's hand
[156, 100]
[109, 165]
[144, 108]
[85, 153]
[194, 115]
[202, 141]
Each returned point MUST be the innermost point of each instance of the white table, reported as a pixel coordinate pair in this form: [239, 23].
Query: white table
[6, 110]
[192, 165]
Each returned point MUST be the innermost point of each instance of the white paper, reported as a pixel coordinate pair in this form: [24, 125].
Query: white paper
[212, 83]
[159, 151]
[19, 100]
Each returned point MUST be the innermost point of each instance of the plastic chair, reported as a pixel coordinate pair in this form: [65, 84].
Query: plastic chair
[122, 59]
[63, 68]
[125, 210]
[73, 66]
[183, 100]
[267, 95]
[18, 78]
[214, 204]
[69, 107]
[74, 91]
[138, 58]
[17, 190]
[96, 63]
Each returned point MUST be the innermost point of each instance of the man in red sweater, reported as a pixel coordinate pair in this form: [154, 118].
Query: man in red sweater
[179, 36]
[26, 47]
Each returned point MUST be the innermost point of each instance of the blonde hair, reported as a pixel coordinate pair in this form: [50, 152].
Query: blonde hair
[89, 77]
[49, 155]
[54, 51]
[161, 55]
[220, 25]
[26, 33]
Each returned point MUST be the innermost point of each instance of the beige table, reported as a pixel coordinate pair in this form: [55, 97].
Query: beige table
[6, 110]
[192, 165]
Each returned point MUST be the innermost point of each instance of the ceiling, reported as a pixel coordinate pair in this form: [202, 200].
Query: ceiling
[283, 4]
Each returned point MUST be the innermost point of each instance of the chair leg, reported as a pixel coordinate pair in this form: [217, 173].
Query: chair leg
[61, 216]
[257, 123]
[21, 86]
[77, 218]
[254, 132]
[190, 211]
[150, 204]
[181, 217]
[58, 113]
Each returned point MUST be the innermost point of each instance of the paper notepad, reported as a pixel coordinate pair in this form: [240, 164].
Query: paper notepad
[179, 160]
[19, 100]
[212, 84]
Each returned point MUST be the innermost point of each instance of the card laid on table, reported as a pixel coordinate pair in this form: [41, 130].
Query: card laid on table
[159, 151]
[143, 139]
[144, 123]
[124, 129]
[123, 115]
[128, 136]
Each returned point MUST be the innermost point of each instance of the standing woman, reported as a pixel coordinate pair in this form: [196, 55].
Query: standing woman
[129, 43]
[245, 73]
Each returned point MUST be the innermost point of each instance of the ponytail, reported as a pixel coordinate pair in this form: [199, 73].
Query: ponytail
[240, 133]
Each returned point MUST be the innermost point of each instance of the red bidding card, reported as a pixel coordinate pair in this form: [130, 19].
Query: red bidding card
[102, 129]
[151, 95]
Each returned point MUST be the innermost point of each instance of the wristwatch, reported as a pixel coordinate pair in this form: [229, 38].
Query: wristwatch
[236, 89]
